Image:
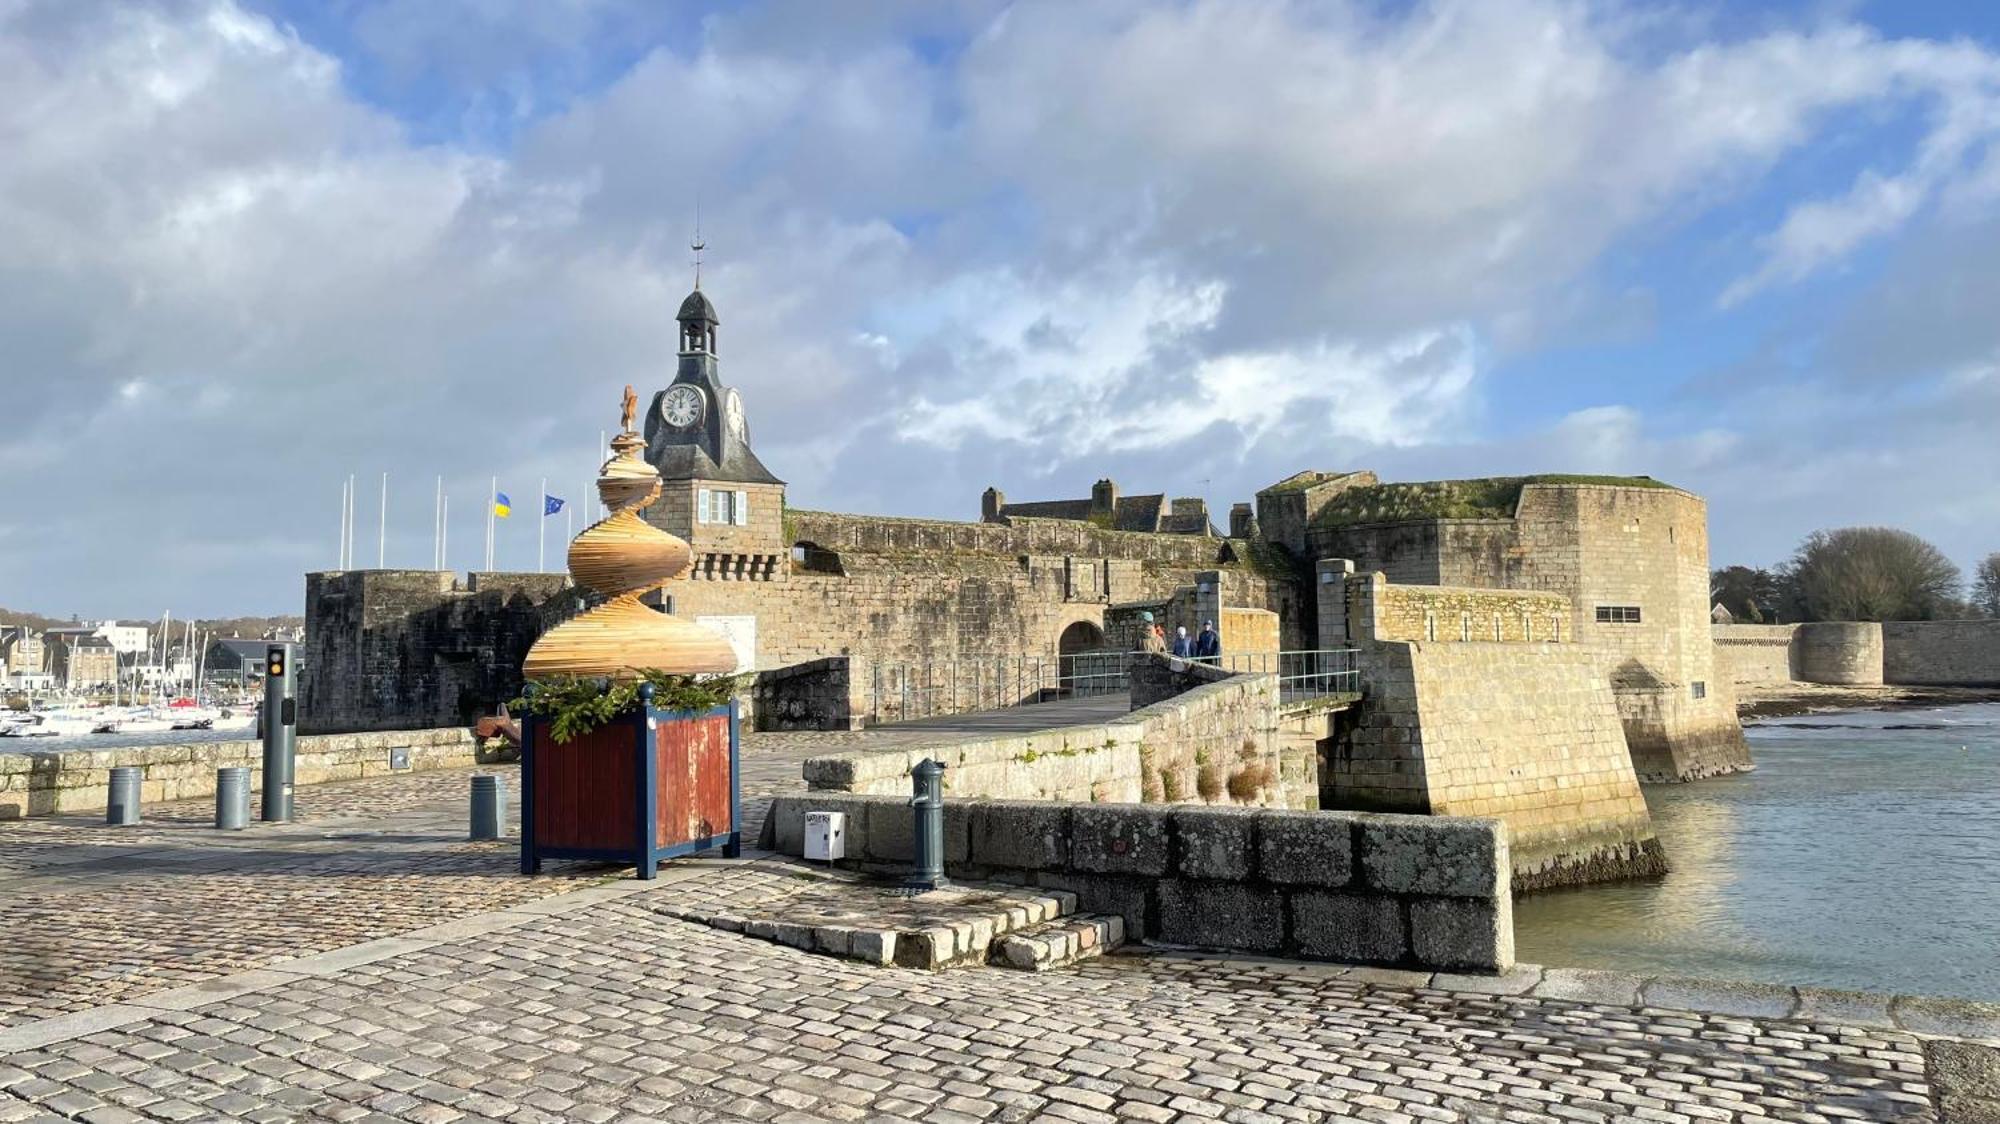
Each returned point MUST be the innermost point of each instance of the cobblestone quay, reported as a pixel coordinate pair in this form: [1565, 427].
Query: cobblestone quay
[584, 998]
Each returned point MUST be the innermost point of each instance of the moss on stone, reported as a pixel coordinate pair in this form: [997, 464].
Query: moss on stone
[1491, 497]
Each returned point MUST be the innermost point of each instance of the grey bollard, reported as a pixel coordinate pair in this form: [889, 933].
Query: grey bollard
[927, 830]
[487, 800]
[121, 806]
[232, 798]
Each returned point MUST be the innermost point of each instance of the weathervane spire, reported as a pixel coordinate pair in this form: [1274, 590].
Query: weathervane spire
[697, 245]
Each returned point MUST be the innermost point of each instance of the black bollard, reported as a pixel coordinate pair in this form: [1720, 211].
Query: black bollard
[232, 798]
[927, 834]
[121, 805]
[487, 801]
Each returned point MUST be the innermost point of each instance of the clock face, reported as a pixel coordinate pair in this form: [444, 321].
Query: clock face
[732, 414]
[682, 406]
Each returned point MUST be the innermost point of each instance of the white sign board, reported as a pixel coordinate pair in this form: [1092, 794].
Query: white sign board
[741, 632]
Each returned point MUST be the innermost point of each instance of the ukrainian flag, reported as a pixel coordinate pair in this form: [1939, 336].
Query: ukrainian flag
[502, 506]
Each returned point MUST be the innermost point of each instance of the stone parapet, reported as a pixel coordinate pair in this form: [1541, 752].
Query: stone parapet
[75, 781]
[1214, 743]
[1530, 734]
[1400, 891]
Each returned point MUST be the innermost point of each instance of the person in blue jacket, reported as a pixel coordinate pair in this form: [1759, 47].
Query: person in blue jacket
[1183, 648]
[1208, 645]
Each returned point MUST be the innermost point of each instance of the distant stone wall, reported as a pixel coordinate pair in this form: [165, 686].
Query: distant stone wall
[402, 649]
[73, 782]
[1941, 653]
[1212, 744]
[1841, 652]
[880, 534]
[1863, 653]
[1528, 733]
[1754, 654]
[1402, 891]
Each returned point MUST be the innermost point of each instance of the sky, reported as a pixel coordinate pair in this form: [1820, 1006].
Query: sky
[251, 247]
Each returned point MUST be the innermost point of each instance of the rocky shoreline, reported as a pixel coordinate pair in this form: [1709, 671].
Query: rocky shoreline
[1793, 699]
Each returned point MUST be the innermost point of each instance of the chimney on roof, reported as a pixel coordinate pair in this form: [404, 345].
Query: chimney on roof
[991, 501]
[1103, 498]
[1242, 521]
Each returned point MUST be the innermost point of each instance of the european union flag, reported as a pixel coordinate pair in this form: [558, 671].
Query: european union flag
[550, 505]
[502, 506]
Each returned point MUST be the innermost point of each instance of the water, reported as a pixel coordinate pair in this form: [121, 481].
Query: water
[1864, 852]
[121, 741]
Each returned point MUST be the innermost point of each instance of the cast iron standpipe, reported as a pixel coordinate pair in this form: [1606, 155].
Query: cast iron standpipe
[927, 834]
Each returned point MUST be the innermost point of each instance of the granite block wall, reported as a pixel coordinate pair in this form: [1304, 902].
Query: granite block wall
[1402, 891]
[1755, 654]
[1211, 743]
[75, 781]
[1941, 653]
[1530, 734]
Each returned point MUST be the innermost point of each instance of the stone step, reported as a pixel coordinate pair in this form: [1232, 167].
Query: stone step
[1054, 944]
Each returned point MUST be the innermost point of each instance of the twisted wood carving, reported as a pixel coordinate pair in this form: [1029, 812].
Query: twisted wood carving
[624, 558]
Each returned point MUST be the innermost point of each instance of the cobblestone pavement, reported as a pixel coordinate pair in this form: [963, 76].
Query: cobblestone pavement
[96, 914]
[619, 1012]
[550, 999]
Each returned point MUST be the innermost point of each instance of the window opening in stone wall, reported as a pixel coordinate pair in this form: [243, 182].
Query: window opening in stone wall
[1527, 627]
[1700, 689]
[1556, 625]
[1430, 626]
[1465, 628]
[717, 506]
[1618, 614]
[1498, 636]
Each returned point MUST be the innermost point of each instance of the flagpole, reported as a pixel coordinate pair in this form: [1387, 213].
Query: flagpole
[444, 531]
[492, 497]
[541, 529]
[339, 550]
[603, 454]
[350, 520]
[382, 527]
[437, 527]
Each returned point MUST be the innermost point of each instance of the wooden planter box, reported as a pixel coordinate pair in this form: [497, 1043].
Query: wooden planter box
[647, 786]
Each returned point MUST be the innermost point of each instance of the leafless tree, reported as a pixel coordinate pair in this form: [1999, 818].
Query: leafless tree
[1986, 585]
[1871, 574]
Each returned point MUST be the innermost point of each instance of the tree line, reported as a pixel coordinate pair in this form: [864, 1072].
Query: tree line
[1859, 574]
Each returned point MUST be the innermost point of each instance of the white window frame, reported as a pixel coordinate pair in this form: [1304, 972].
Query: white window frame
[740, 509]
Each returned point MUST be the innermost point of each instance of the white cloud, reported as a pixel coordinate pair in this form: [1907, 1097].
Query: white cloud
[1213, 241]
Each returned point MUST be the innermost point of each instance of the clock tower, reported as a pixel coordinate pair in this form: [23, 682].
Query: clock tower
[717, 495]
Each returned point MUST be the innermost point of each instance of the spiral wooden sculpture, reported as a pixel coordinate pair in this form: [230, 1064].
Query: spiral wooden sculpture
[624, 557]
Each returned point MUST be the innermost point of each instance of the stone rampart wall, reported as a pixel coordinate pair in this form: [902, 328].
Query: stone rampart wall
[1941, 653]
[877, 534]
[1380, 610]
[1862, 653]
[1212, 744]
[1404, 891]
[1754, 654]
[1528, 733]
[75, 781]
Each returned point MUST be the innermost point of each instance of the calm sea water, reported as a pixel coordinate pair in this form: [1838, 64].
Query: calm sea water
[118, 741]
[1864, 852]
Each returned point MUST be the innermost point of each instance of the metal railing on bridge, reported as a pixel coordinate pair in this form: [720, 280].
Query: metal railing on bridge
[1304, 673]
[900, 692]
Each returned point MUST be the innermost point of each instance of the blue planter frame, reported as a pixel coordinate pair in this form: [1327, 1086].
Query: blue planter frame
[647, 852]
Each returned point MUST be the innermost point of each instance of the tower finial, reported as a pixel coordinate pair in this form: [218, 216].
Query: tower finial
[697, 245]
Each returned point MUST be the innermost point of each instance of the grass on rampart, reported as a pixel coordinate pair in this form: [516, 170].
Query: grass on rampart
[1493, 497]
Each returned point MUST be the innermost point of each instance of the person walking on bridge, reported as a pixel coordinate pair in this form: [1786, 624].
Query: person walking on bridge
[1151, 639]
[1183, 647]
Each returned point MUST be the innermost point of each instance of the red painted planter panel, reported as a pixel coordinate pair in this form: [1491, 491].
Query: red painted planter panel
[693, 762]
[585, 790]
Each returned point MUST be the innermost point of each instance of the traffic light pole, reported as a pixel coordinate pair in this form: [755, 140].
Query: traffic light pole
[281, 721]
